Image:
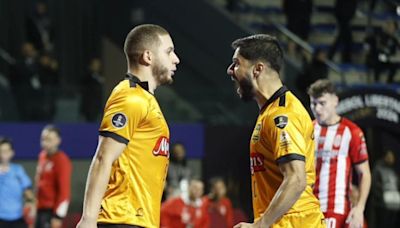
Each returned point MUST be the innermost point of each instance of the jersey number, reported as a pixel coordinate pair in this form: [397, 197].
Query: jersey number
[330, 222]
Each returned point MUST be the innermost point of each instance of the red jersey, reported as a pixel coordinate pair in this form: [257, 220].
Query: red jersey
[338, 148]
[180, 213]
[54, 182]
[222, 207]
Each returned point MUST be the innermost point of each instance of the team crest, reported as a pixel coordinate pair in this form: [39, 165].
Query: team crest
[119, 120]
[281, 121]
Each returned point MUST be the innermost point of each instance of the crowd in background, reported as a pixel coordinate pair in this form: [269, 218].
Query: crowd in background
[34, 75]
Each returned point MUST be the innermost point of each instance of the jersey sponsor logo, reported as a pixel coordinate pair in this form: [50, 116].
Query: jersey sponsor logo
[119, 120]
[281, 121]
[256, 133]
[162, 147]
[326, 155]
[256, 162]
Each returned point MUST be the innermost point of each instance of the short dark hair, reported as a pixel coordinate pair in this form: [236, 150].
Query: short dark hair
[320, 87]
[261, 47]
[139, 39]
[5, 140]
[53, 128]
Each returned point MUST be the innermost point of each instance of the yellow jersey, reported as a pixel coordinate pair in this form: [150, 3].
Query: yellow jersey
[133, 116]
[283, 132]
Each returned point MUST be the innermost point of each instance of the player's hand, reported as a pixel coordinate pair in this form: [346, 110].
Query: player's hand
[355, 219]
[56, 223]
[87, 223]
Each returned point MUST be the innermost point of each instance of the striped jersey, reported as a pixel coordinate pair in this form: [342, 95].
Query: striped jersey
[338, 147]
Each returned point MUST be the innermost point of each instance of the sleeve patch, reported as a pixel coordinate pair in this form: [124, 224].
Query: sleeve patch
[119, 120]
[281, 121]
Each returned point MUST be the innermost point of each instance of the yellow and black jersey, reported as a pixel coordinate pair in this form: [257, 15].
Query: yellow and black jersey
[283, 132]
[133, 116]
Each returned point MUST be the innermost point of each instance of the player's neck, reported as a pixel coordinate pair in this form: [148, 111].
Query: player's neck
[267, 86]
[52, 152]
[145, 75]
[334, 119]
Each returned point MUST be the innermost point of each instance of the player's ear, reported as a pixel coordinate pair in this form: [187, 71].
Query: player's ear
[258, 68]
[146, 57]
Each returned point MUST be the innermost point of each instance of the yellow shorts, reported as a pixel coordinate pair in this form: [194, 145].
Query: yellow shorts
[310, 218]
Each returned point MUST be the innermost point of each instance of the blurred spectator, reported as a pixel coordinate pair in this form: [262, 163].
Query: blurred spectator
[385, 191]
[187, 210]
[25, 82]
[92, 92]
[178, 172]
[216, 202]
[298, 16]
[314, 70]
[33, 82]
[48, 76]
[53, 180]
[382, 50]
[15, 189]
[39, 28]
[344, 13]
[8, 106]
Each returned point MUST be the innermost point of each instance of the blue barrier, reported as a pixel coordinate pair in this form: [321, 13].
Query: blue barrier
[79, 140]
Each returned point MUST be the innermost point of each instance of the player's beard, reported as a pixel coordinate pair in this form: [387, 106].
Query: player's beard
[161, 73]
[246, 89]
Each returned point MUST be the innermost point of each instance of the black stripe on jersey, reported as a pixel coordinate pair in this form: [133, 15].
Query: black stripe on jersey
[290, 157]
[282, 100]
[281, 91]
[132, 83]
[133, 80]
[114, 136]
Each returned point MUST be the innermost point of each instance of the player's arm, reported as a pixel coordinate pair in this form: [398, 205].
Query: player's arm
[293, 185]
[356, 215]
[364, 173]
[359, 157]
[107, 152]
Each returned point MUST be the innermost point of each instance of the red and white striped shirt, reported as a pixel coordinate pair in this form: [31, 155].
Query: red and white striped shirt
[338, 147]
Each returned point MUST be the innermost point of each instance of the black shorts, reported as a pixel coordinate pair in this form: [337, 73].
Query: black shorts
[19, 223]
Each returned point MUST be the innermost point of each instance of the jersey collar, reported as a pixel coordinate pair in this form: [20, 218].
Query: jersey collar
[274, 96]
[135, 79]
